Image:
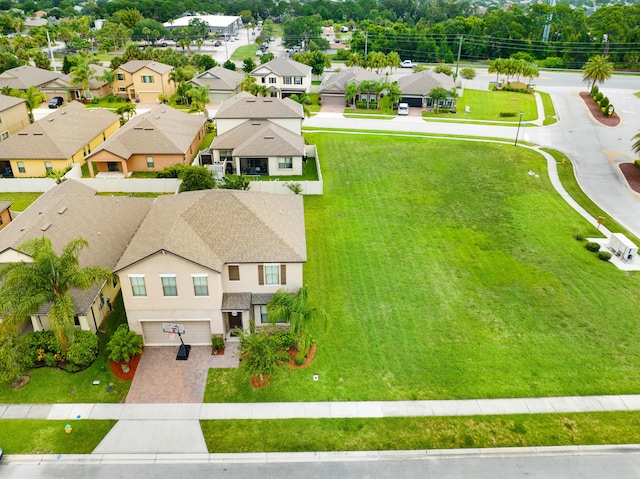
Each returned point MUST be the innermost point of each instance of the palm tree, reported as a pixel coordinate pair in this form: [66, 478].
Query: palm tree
[81, 74]
[636, 144]
[437, 94]
[48, 279]
[33, 98]
[351, 91]
[597, 69]
[378, 88]
[367, 85]
[497, 66]
[393, 93]
[199, 97]
[355, 60]
[247, 83]
[393, 60]
[128, 109]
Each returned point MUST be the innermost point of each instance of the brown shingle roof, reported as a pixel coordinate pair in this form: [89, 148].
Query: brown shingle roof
[7, 102]
[4, 205]
[423, 82]
[219, 78]
[25, 76]
[58, 136]
[245, 105]
[135, 65]
[162, 130]
[94, 83]
[260, 138]
[282, 66]
[337, 83]
[214, 227]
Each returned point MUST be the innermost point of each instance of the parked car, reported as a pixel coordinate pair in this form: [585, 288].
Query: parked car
[216, 43]
[56, 101]
[407, 64]
[272, 39]
[403, 109]
[259, 53]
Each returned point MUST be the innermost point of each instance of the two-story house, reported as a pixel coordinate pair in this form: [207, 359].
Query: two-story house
[143, 80]
[13, 117]
[220, 82]
[209, 261]
[284, 77]
[63, 138]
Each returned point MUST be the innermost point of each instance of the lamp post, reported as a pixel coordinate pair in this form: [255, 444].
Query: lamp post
[515, 143]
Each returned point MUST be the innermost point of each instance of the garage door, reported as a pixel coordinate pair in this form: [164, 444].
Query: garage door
[412, 101]
[334, 100]
[195, 333]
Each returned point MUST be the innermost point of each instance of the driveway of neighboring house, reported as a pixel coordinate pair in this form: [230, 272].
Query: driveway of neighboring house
[332, 109]
[161, 379]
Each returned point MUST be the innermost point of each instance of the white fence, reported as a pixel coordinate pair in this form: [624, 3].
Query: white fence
[25, 185]
[279, 187]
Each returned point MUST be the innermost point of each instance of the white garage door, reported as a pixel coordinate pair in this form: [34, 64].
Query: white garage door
[195, 333]
[334, 100]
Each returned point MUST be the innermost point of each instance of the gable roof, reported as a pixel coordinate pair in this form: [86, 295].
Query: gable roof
[136, 65]
[282, 66]
[25, 76]
[214, 227]
[421, 83]
[162, 130]
[70, 210]
[7, 102]
[338, 82]
[219, 78]
[245, 105]
[65, 80]
[5, 205]
[260, 138]
[58, 136]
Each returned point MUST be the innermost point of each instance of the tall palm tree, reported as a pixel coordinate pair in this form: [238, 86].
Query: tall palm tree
[128, 109]
[81, 74]
[351, 91]
[378, 88]
[48, 279]
[355, 60]
[367, 85]
[597, 69]
[199, 97]
[394, 94]
[33, 98]
[393, 60]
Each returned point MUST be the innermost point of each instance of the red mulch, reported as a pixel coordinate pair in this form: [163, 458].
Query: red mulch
[294, 352]
[594, 108]
[257, 384]
[133, 365]
[632, 174]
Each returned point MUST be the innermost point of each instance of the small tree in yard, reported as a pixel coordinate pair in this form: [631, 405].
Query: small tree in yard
[124, 345]
[260, 353]
[13, 363]
[468, 73]
[197, 178]
[437, 94]
[239, 182]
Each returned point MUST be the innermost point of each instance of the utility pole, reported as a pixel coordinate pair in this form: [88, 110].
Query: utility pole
[458, 62]
[53, 63]
[366, 37]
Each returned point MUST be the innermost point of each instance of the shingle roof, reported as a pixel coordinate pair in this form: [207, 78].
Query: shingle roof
[219, 78]
[135, 65]
[260, 138]
[25, 76]
[214, 227]
[423, 82]
[282, 66]
[5, 205]
[245, 105]
[337, 83]
[236, 301]
[162, 130]
[7, 102]
[71, 210]
[58, 136]
[94, 83]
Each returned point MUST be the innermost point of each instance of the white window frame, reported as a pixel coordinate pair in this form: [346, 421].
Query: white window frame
[150, 162]
[268, 277]
[21, 167]
[297, 80]
[272, 80]
[285, 163]
[287, 81]
[48, 166]
[164, 292]
[195, 291]
[133, 288]
[5, 135]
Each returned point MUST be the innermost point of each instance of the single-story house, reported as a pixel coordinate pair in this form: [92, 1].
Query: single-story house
[143, 80]
[65, 137]
[220, 82]
[63, 86]
[150, 141]
[14, 116]
[68, 211]
[334, 87]
[209, 261]
[415, 88]
[21, 78]
[284, 77]
[221, 24]
[5, 213]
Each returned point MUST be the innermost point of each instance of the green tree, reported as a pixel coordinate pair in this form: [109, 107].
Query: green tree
[128, 17]
[40, 59]
[33, 98]
[13, 361]
[266, 57]
[126, 111]
[352, 89]
[260, 353]
[367, 86]
[636, 144]
[248, 65]
[438, 94]
[199, 97]
[197, 178]
[81, 75]
[468, 73]
[393, 59]
[394, 94]
[239, 182]
[229, 65]
[26, 287]
[124, 344]
[355, 60]
[597, 70]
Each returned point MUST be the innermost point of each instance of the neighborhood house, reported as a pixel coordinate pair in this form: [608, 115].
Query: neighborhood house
[143, 80]
[284, 77]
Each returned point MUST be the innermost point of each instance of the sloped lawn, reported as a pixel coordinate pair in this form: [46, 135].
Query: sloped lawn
[450, 272]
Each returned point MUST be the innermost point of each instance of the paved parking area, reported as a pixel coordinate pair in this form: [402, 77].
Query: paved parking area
[161, 379]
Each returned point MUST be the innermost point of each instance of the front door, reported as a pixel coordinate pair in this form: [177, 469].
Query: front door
[113, 166]
[235, 323]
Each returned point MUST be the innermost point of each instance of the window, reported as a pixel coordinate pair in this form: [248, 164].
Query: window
[264, 318]
[285, 163]
[150, 163]
[298, 80]
[137, 285]
[147, 78]
[234, 272]
[262, 80]
[47, 166]
[169, 285]
[122, 89]
[200, 286]
[21, 167]
[104, 137]
[272, 80]
[287, 80]
[272, 274]
[5, 135]
[120, 76]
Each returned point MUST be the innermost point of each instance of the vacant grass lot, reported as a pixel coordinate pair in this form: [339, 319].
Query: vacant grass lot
[450, 272]
[20, 200]
[487, 105]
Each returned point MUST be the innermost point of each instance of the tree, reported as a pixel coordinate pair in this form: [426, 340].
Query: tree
[229, 65]
[81, 75]
[597, 70]
[124, 344]
[40, 59]
[199, 97]
[33, 98]
[317, 60]
[197, 178]
[248, 65]
[468, 73]
[266, 57]
[636, 144]
[260, 353]
[438, 94]
[239, 182]
[128, 17]
[351, 90]
[9, 61]
[393, 59]
[128, 110]
[203, 62]
[368, 86]
[48, 279]
[394, 94]
[13, 361]
[355, 60]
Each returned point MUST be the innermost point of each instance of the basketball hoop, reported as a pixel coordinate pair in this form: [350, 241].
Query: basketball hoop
[172, 336]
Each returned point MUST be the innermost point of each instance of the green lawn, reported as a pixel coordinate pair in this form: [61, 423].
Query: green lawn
[102, 103]
[637, 94]
[413, 433]
[549, 110]
[309, 173]
[246, 51]
[450, 272]
[42, 436]
[20, 200]
[487, 105]
[52, 385]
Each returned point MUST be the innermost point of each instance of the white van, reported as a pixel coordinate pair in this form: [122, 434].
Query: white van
[403, 109]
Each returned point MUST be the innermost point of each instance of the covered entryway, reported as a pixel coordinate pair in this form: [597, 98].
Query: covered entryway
[196, 332]
[235, 312]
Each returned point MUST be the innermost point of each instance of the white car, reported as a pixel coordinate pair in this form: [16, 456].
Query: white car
[407, 64]
[403, 109]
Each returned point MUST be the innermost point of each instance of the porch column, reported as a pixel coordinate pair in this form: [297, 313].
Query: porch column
[125, 171]
[237, 162]
[90, 164]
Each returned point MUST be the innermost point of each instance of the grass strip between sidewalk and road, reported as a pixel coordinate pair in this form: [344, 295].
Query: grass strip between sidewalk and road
[411, 433]
[549, 109]
[43, 436]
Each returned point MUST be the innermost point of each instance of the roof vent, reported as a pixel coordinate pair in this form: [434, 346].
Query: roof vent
[138, 128]
[268, 137]
[45, 227]
[37, 133]
[251, 100]
[148, 129]
[23, 133]
[268, 100]
[62, 210]
[256, 124]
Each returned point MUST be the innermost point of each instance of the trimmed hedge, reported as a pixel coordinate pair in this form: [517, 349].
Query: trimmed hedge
[508, 114]
[604, 256]
[592, 246]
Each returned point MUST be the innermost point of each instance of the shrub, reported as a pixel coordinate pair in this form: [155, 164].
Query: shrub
[442, 68]
[637, 163]
[604, 255]
[84, 348]
[171, 171]
[299, 360]
[594, 91]
[599, 97]
[507, 114]
[604, 102]
[286, 340]
[217, 343]
[579, 237]
[468, 73]
[362, 105]
[592, 246]
[124, 344]
[50, 360]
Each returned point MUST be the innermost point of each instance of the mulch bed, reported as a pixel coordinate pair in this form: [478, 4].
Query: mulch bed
[257, 383]
[594, 108]
[632, 174]
[133, 364]
[294, 352]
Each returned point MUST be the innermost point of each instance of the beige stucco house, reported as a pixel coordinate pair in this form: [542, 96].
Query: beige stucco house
[284, 77]
[68, 211]
[151, 141]
[65, 88]
[209, 261]
[63, 138]
[333, 88]
[21, 78]
[143, 80]
[14, 116]
[220, 82]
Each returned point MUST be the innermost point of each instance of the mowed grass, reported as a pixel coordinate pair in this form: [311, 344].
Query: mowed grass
[20, 200]
[412, 433]
[42, 436]
[487, 105]
[549, 109]
[449, 272]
